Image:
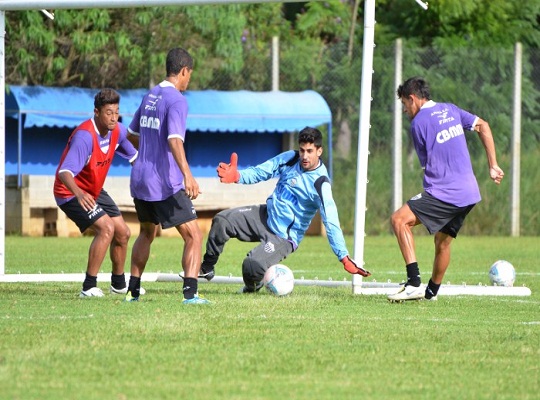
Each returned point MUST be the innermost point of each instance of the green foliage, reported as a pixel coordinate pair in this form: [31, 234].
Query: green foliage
[303, 346]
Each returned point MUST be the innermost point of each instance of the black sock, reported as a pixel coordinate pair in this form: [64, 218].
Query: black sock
[118, 281]
[432, 289]
[89, 282]
[413, 274]
[190, 288]
[134, 286]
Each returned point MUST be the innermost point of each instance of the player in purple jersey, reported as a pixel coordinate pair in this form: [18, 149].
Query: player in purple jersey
[162, 185]
[450, 187]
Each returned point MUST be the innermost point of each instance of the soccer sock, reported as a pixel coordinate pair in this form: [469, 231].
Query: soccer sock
[118, 281]
[190, 288]
[134, 286]
[89, 282]
[432, 289]
[413, 274]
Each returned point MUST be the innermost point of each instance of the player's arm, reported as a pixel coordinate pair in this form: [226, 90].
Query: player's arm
[176, 145]
[133, 138]
[125, 147]
[330, 218]
[486, 137]
[85, 199]
[229, 173]
[79, 153]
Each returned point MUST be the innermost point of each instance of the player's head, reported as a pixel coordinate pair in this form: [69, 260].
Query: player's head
[310, 135]
[310, 148]
[106, 110]
[179, 65]
[413, 93]
[417, 86]
[106, 96]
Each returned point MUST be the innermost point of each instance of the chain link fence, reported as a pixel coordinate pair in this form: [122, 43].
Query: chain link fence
[480, 80]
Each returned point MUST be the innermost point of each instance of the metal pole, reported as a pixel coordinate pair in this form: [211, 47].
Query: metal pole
[2, 142]
[363, 139]
[275, 63]
[516, 142]
[398, 125]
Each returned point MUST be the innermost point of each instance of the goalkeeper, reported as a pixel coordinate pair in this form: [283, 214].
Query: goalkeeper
[303, 187]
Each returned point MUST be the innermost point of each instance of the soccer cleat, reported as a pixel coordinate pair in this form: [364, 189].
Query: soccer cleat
[408, 292]
[208, 275]
[245, 289]
[196, 300]
[130, 298]
[113, 290]
[92, 292]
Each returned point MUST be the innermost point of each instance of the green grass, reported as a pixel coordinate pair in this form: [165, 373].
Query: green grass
[318, 343]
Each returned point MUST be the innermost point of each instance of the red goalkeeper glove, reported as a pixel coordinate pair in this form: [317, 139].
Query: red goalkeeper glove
[228, 173]
[352, 268]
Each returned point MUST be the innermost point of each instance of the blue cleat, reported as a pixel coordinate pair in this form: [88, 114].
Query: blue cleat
[130, 298]
[196, 300]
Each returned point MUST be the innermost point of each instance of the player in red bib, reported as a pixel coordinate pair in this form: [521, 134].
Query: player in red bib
[78, 189]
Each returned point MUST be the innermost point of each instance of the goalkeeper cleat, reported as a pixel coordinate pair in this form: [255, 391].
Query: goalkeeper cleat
[113, 290]
[208, 274]
[130, 298]
[246, 289]
[196, 300]
[92, 292]
[407, 292]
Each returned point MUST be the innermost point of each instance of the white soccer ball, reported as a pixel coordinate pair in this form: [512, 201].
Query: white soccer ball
[502, 273]
[279, 280]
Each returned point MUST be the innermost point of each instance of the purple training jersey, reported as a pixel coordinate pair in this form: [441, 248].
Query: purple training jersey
[161, 116]
[438, 134]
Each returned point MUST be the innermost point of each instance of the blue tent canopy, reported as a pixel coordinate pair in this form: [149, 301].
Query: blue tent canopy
[210, 111]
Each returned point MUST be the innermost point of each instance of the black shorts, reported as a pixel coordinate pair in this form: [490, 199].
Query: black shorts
[173, 211]
[438, 216]
[84, 219]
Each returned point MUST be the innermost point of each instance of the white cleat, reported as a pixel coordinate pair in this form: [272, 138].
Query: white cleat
[123, 291]
[408, 292]
[92, 292]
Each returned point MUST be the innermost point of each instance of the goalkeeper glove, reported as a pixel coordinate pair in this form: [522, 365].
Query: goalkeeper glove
[228, 173]
[352, 268]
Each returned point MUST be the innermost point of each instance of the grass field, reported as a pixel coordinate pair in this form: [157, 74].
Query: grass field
[317, 343]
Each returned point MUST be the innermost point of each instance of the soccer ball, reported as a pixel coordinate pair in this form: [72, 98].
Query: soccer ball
[502, 273]
[279, 280]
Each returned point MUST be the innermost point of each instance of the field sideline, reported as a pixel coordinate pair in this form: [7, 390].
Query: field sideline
[317, 343]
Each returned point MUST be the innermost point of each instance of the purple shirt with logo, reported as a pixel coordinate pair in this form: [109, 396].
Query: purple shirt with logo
[438, 134]
[161, 116]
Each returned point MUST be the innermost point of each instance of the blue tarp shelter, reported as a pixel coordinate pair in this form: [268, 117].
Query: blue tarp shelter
[211, 114]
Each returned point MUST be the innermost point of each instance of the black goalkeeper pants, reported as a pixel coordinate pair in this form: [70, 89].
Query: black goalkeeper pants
[247, 224]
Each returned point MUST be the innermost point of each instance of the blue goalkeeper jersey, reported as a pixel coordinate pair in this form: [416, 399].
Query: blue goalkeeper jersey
[297, 197]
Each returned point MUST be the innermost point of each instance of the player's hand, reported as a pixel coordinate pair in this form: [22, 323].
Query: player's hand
[496, 174]
[351, 267]
[228, 173]
[86, 200]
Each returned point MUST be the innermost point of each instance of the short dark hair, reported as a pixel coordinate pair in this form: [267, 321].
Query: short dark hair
[177, 59]
[106, 96]
[417, 86]
[310, 135]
